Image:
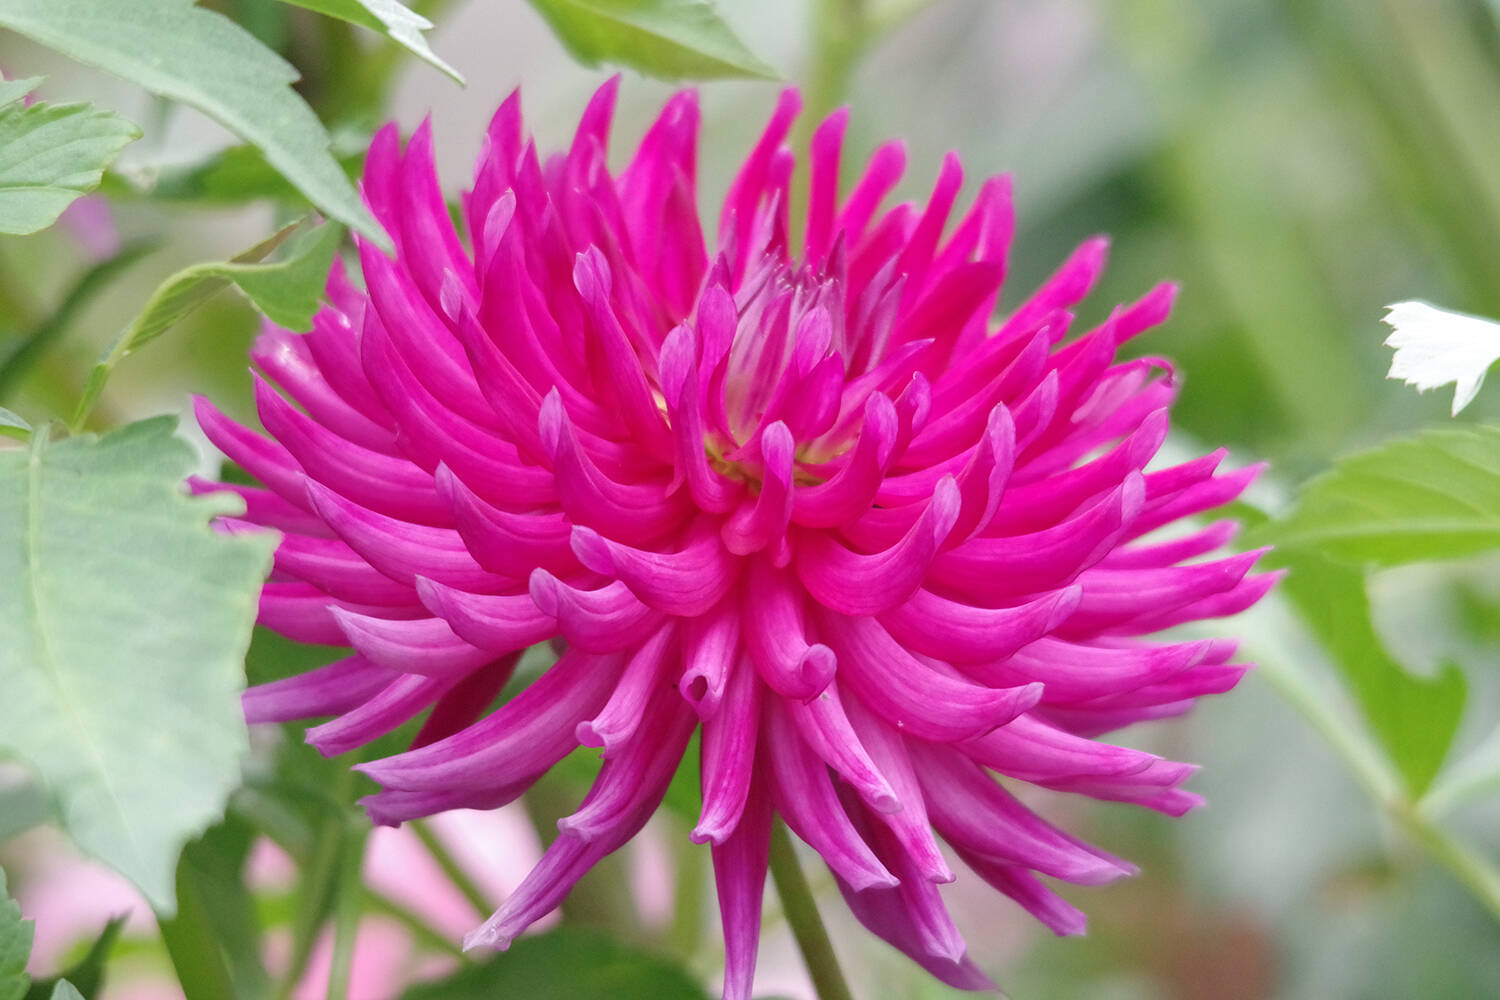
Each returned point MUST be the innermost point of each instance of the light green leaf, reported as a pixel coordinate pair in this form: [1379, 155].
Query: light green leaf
[186, 53]
[50, 154]
[66, 991]
[15, 946]
[12, 91]
[21, 808]
[1433, 496]
[1414, 718]
[568, 962]
[287, 291]
[667, 39]
[123, 626]
[396, 21]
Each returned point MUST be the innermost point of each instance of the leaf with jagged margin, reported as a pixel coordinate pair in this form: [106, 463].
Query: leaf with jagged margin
[124, 620]
[15, 946]
[1423, 498]
[187, 53]
[287, 291]
[51, 154]
[390, 18]
[667, 39]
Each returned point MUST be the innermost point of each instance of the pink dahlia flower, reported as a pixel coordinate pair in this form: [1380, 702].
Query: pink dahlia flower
[877, 548]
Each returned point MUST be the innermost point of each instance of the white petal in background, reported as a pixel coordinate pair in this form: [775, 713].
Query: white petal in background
[1435, 347]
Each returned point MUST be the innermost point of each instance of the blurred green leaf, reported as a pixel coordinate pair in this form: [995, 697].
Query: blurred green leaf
[1414, 718]
[15, 946]
[50, 154]
[1433, 496]
[214, 940]
[65, 990]
[35, 342]
[86, 976]
[21, 808]
[186, 53]
[123, 625]
[565, 964]
[231, 176]
[13, 426]
[397, 22]
[287, 291]
[667, 39]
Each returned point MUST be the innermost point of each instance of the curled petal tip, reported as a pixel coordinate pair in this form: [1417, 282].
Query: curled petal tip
[592, 550]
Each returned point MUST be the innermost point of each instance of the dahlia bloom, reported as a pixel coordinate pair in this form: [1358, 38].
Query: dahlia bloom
[815, 505]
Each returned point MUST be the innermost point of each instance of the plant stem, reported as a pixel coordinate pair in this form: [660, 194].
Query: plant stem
[802, 914]
[346, 912]
[451, 868]
[1473, 871]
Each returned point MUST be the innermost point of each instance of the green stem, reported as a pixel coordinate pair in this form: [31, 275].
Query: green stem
[424, 933]
[453, 869]
[347, 909]
[802, 914]
[1473, 871]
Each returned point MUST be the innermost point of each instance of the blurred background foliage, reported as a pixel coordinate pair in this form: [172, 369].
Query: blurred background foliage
[1297, 165]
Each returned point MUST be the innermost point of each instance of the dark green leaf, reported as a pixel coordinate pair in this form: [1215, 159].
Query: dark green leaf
[1433, 496]
[186, 53]
[123, 625]
[668, 39]
[232, 176]
[1413, 717]
[50, 154]
[566, 964]
[214, 940]
[397, 22]
[86, 976]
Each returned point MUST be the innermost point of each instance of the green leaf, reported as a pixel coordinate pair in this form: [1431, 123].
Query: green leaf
[21, 808]
[397, 22]
[50, 154]
[1433, 496]
[287, 291]
[12, 91]
[565, 964]
[124, 620]
[1414, 718]
[667, 39]
[66, 991]
[214, 940]
[186, 53]
[13, 426]
[230, 176]
[86, 976]
[15, 946]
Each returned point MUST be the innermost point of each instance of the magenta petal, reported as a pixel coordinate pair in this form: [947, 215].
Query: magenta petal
[727, 762]
[740, 876]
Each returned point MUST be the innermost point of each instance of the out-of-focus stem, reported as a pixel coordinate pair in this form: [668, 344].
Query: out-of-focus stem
[1475, 872]
[347, 910]
[802, 915]
[451, 868]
